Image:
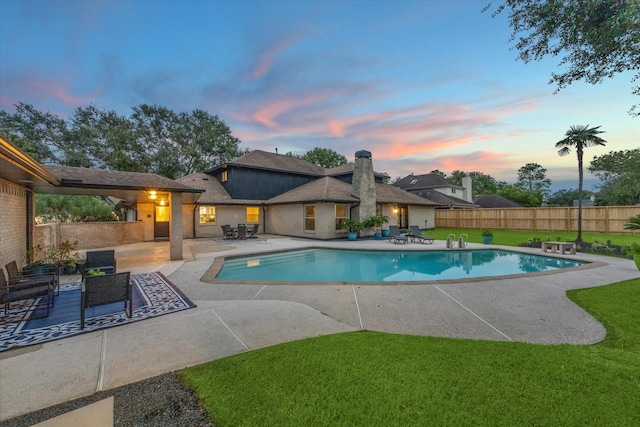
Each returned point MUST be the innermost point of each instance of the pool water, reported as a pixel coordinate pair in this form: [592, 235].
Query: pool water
[335, 265]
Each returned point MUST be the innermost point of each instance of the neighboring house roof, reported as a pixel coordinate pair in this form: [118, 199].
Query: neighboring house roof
[494, 201]
[444, 200]
[387, 193]
[426, 181]
[325, 189]
[124, 185]
[259, 159]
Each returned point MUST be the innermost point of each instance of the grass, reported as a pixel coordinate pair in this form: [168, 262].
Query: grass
[370, 378]
[516, 237]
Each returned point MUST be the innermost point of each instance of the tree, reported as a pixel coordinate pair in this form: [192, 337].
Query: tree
[325, 157]
[566, 197]
[579, 137]
[61, 208]
[620, 173]
[534, 177]
[153, 139]
[522, 195]
[597, 39]
[439, 173]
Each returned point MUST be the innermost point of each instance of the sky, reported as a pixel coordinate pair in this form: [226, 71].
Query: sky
[422, 85]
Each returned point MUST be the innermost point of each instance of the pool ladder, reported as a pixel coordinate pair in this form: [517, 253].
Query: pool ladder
[462, 241]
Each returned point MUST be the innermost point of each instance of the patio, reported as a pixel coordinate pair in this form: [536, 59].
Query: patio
[231, 319]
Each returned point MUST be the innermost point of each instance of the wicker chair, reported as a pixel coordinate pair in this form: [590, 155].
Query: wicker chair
[106, 289]
[27, 288]
[104, 261]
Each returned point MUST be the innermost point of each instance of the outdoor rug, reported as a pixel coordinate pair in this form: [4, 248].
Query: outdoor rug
[23, 325]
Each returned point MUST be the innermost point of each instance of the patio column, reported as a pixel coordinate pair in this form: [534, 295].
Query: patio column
[175, 227]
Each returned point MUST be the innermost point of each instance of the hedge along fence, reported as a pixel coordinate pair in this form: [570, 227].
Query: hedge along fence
[599, 219]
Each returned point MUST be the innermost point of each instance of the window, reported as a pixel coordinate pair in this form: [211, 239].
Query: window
[224, 176]
[453, 191]
[253, 214]
[413, 181]
[207, 214]
[309, 218]
[341, 215]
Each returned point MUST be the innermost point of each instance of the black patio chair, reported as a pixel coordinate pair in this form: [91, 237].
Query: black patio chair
[106, 289]
[27, 288]
[417, 234]
[103, 261]
[227, 232]
[395, 236]
[253, 231]
[242, 231]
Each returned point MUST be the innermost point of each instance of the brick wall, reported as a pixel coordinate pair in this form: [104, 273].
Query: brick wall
[13, 223]
[92, 235]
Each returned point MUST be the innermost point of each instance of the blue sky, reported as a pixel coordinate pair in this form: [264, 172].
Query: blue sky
[423, 85]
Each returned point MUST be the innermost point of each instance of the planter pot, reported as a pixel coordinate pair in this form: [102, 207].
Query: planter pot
[352, 235]
[636, 259]
[385, 233]
[487, 240]
[378, 235]
[38, 270]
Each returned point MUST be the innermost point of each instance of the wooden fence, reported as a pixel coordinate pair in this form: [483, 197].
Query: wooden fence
[600, 219]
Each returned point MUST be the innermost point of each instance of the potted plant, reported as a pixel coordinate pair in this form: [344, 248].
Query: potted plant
[376, 221]
[64, 256]
[487, 237]
[352, 226]
[36, 263]
[635, 252]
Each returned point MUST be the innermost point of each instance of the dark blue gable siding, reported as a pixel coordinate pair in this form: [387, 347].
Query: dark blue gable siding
[258, 184]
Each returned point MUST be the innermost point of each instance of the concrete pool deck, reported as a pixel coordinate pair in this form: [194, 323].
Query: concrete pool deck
[231, 318]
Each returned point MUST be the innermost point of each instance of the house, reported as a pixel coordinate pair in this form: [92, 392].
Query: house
[159, 200]
[290, 196]
[444, 193]
[494, 201]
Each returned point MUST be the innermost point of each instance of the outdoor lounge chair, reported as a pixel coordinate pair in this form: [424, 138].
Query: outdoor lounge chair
[105, 261]
[27, 288]
[395, 236]
[417, 234]
[106, 289]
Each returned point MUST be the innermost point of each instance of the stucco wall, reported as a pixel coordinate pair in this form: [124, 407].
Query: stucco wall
[13, 220]
[288, 220]
[419, 214]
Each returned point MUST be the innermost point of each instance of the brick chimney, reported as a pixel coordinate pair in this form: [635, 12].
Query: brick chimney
[363, 185]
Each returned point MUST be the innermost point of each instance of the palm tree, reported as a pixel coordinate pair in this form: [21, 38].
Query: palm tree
[579, 137]
[633, 223]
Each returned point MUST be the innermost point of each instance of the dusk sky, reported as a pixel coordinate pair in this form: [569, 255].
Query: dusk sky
[423, 85]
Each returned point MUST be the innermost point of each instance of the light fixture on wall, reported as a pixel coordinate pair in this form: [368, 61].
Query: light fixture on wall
[162, 202]
[395, 209]
[152, 195]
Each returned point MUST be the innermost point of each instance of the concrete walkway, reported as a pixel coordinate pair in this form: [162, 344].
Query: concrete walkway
[231, 318]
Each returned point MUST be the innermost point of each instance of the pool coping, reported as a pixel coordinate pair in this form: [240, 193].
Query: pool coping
[212, 272]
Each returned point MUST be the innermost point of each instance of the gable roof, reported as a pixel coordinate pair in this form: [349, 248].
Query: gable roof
[426, 181]
[494, 201]
[324, 189]
[271, 161]
[258, 159]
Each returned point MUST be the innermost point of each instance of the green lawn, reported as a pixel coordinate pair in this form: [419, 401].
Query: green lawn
[516, 237]
[376, 379]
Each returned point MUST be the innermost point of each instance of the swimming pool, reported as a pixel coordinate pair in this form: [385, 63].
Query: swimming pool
[336, 265]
